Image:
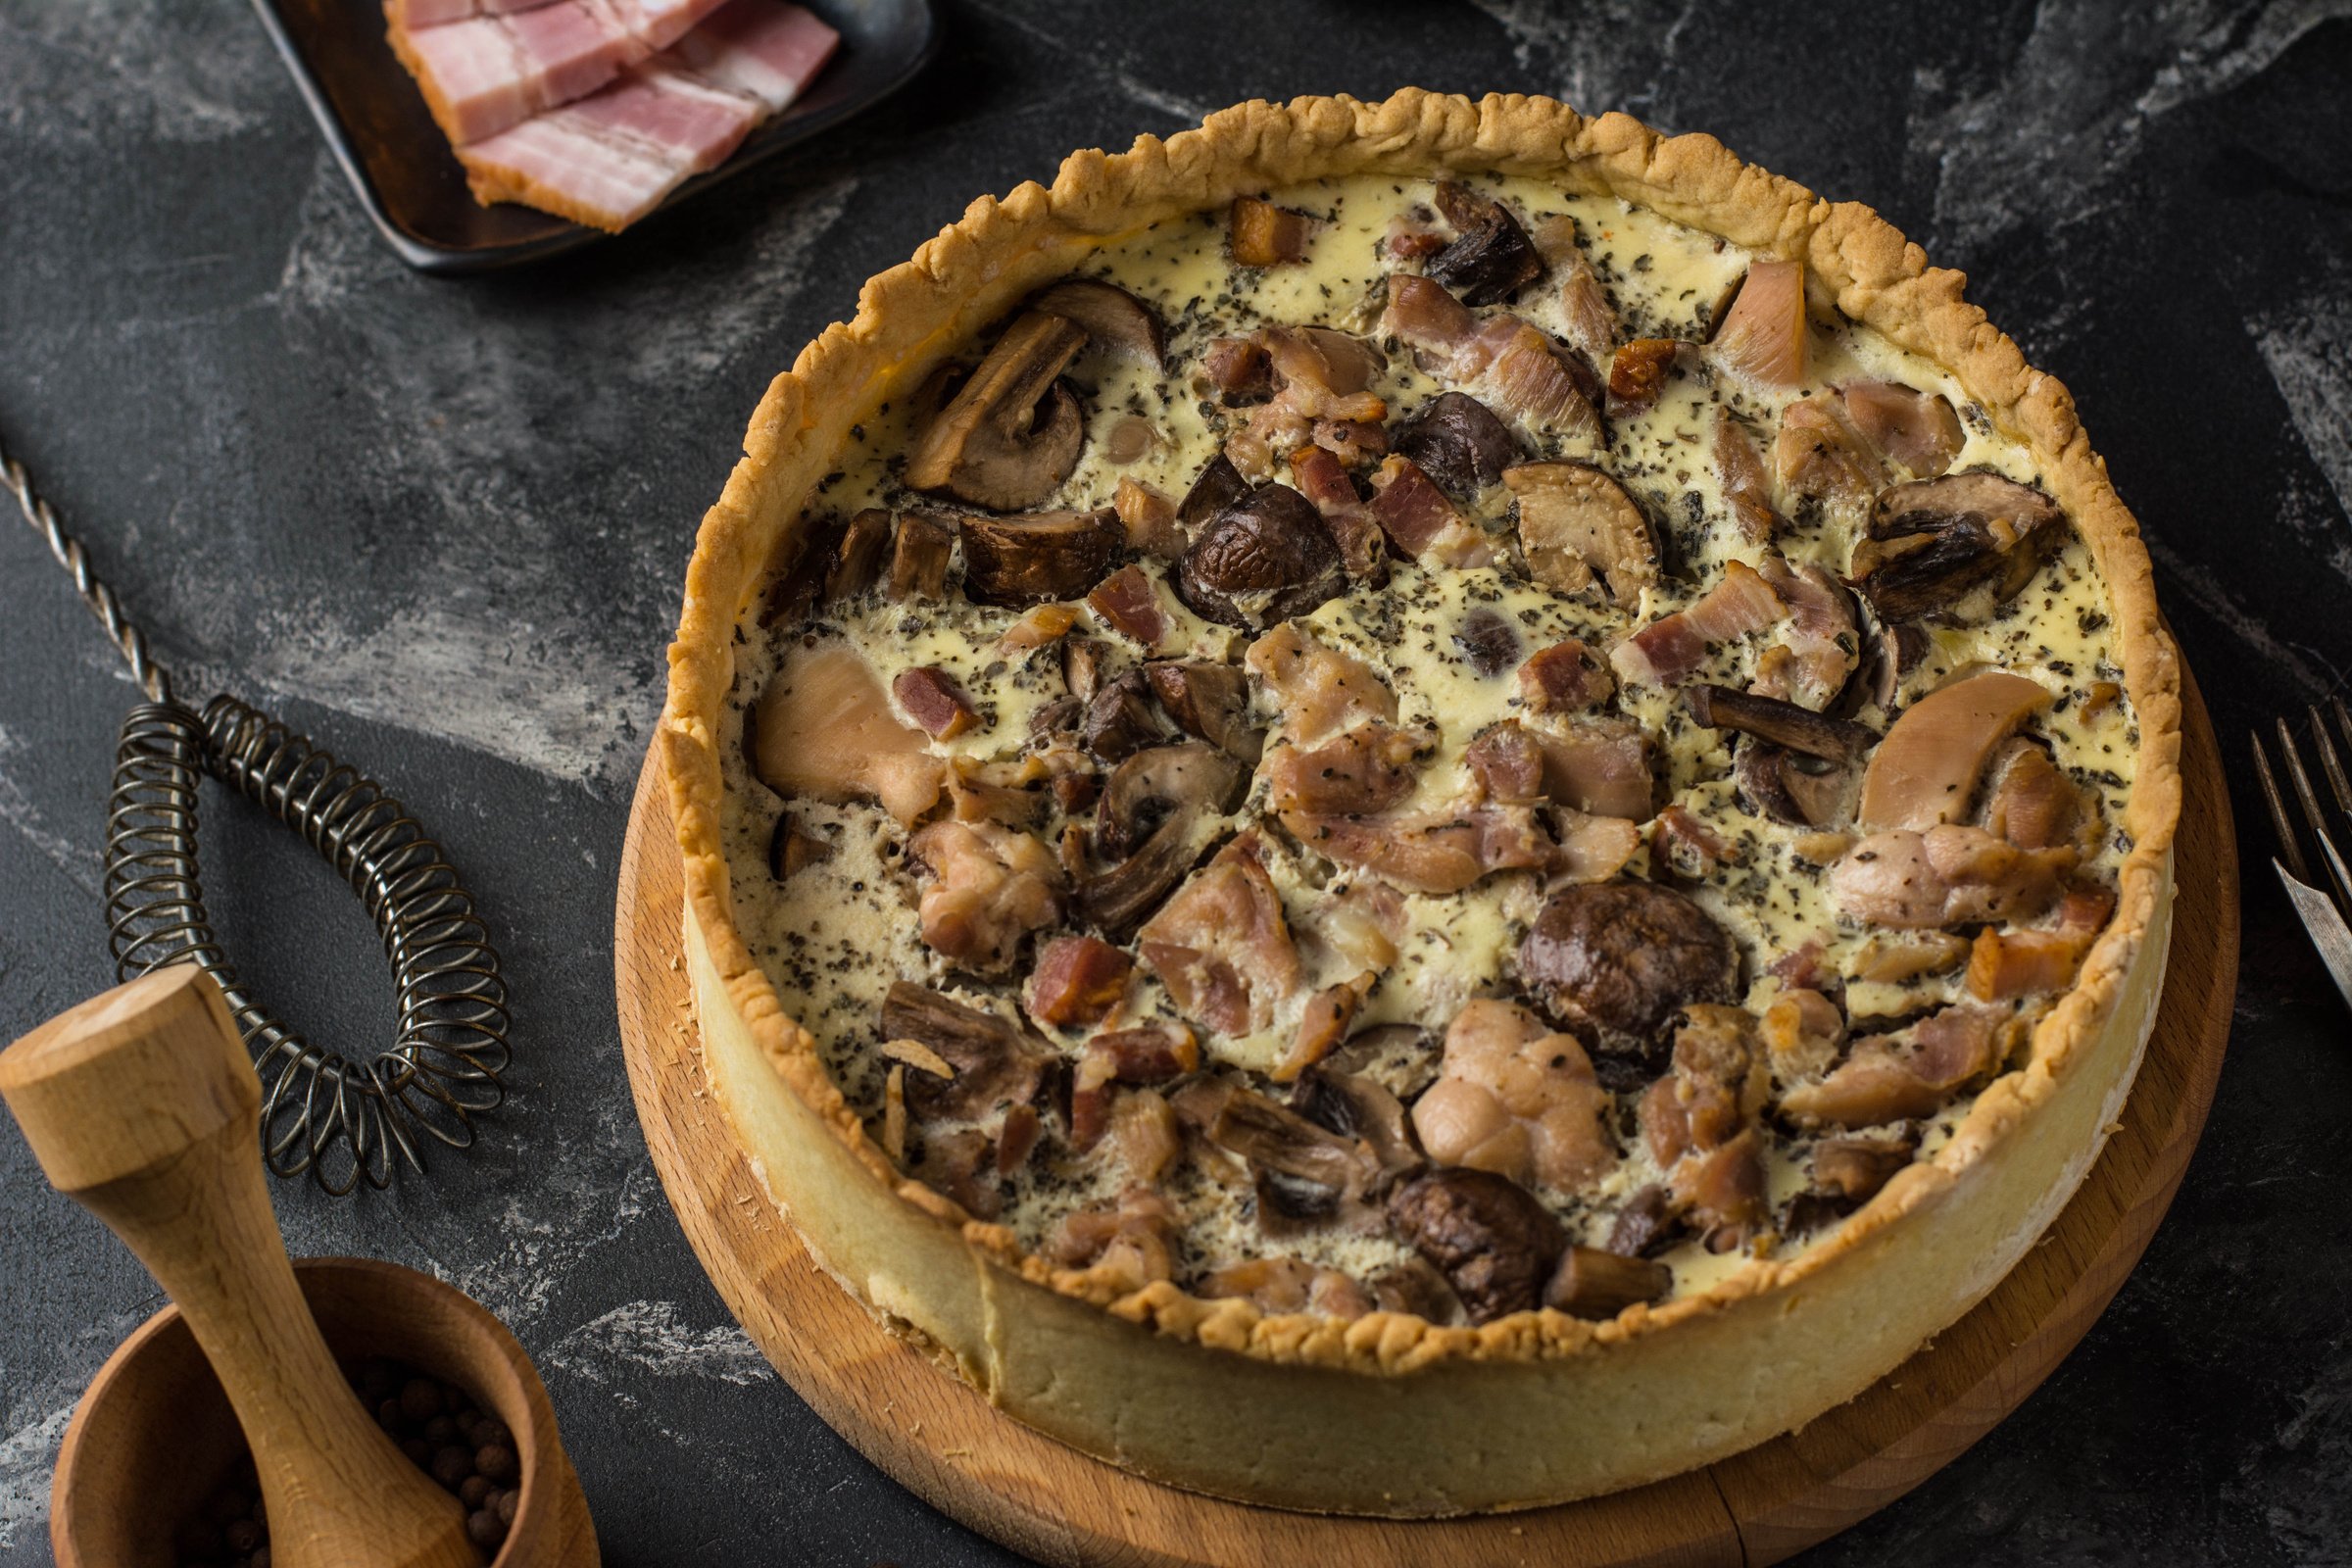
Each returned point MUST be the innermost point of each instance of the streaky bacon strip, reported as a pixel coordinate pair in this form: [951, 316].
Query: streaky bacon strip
[766, 50]
[1669, 649]
[485, 74]
[433, 13]
[610, 158]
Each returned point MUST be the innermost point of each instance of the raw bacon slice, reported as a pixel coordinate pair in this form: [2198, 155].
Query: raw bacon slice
[758, 47]
[488, 72]
[610, 158]
[432, 12]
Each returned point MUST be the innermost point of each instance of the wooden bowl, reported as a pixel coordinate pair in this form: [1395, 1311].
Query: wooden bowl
[153, 1435]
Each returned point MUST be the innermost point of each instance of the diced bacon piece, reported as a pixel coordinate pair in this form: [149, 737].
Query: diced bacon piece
[1433, 854]
[993, 886]
[1266, 235]
[1820, 457]
[1802, 1030]
[1319, 477]
[1127, 601]
[1432, 321]
[573, 49]
[1682, 840]
[1149, 520]
[1917, 430]
[1355, 442]
[1222, 947]
[1516, 1098]
[760, 47]
[1322, 1024]
[1077, 981]
[1151, 1055]
[1670, 649]
[1507, 765]
[1821, 644]
[1041, 627]
[1763, 334]
[1593, 848]
[1129, 1244]
[1320, 376]
[2028, 801]
[1600, 765]
[933, 699]
[1717, 1085]
[1739, 470]
[1420, 522]
[1413, 234]
[1638, 374]
[559, 166]
[1144, 1134]
[1911, 1073]
[1564, 678]
[1318, 688]
[1368, 768]
[1526, 373]
[2005, 965]
[1238, 368]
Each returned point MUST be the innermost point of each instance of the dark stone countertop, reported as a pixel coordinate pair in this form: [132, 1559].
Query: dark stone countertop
[440, 527]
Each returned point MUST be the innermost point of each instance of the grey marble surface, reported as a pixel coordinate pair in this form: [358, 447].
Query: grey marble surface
[440, 525]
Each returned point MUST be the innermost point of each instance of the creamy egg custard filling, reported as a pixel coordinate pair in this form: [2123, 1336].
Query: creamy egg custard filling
[1428, 746]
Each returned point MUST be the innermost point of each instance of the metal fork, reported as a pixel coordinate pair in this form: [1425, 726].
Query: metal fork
[2323, 916]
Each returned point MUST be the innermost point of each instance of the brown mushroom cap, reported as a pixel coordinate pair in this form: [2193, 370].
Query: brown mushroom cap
[1112, 317]
[1623, 957]
[1925, 770]
[1119, 900]
[1154, 785]
[1491, 258]
[1038, 557]
[1574, 522]
[1777, 783]
[1933, 540]
[1208, 699]
[1261, 562]
[1219, 488]
[1012, 435]
[1491, 1237]
[1459, 443]
[1121, 719]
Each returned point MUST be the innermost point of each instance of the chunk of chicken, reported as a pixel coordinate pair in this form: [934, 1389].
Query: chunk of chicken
[1917, 430]
[1949, 874]
[2028, 800]
[1911, 1073]
[1516, 1098]
[825, 730]
[1447, 851]
[1129, 1243]
[1318, 688]
[1763, 334]
[992, 887]
[1288, 1284]
[1746, 488]
[1802, 1030]
[1222, 947]
[1819, 648]
[1819, 457]
[1671, 648]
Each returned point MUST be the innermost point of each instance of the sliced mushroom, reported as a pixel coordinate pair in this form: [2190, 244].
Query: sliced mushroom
[1219, 488]
[1151, 786]
[1895, 649]
[1792, 788]
[1123, 898]
[918, 557]
[1597, 1286]
[1574, 522]
[1112, 317]
[792, 848]
[1038, 557]
[1210, 701]
[1262, 561]
[1121, 720]
[1487, 641]
[1763, 333]
[1278, 1139]
[1925, 770]
[1491, 259]
[1935, 540]
[1012, 435]
[1459, 443]
[858, 563]
[1622, 958]
[1768, 718]
[1494, 1243]
[995, 1062]
[1356, 1107]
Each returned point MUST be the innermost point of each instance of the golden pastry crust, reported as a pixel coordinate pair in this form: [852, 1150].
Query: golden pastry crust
[1832, 1320]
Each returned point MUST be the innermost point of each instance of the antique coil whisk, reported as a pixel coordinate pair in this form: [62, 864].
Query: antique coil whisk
[342, 1120]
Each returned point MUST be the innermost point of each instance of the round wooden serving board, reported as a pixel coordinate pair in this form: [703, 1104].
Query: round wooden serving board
[944, 1441]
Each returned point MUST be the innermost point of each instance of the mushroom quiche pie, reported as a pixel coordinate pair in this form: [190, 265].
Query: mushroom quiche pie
[1420, 806]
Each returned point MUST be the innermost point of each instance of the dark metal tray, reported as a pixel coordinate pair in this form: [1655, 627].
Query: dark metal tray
[412, 186]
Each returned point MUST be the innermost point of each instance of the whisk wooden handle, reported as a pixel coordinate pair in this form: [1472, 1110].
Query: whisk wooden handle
[141, 1106]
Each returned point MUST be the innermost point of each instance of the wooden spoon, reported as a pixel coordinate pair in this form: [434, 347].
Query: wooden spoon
[142, 1107]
